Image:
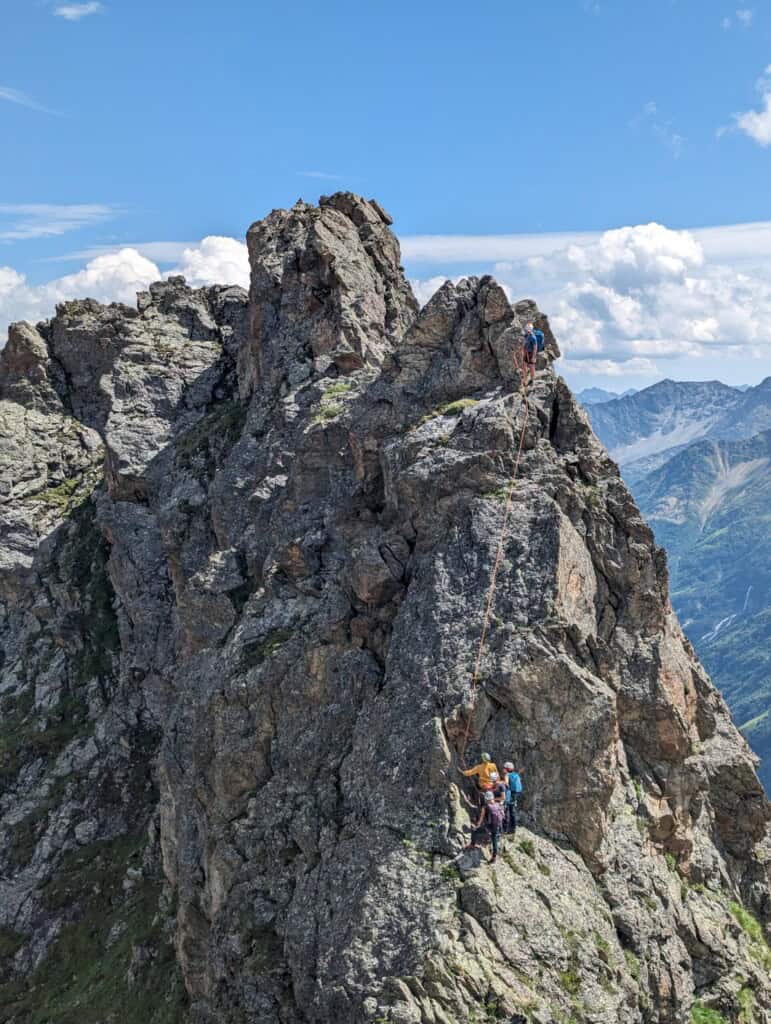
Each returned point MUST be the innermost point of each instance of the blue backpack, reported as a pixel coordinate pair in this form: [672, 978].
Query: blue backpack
[539, 340]
[515, 783]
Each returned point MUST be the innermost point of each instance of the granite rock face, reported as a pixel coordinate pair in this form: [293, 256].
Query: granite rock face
[245, 555]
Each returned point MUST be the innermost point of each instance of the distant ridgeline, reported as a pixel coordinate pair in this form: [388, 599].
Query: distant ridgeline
[697, 457]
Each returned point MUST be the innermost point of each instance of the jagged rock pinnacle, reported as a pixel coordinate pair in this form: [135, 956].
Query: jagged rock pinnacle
[237, 643]
[327, 289]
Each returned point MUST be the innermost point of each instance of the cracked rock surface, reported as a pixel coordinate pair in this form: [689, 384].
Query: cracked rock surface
[246, 544]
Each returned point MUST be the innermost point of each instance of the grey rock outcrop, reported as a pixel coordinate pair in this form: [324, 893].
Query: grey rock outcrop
[236, 671]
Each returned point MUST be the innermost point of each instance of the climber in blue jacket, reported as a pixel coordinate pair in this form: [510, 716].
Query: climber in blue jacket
[532, 344]
[512, 783]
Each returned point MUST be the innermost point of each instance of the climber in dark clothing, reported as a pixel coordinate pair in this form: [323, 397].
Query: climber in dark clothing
[532, 344]
[489, 822]
[513, 784]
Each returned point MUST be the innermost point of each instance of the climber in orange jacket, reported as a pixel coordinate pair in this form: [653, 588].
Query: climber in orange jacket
[486, 772]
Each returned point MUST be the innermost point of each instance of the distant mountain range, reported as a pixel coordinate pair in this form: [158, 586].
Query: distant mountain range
[697, 457]
[643, 430]
[596, 396]
[710, 507]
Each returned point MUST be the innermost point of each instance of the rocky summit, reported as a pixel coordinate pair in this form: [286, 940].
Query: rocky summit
[246, 548]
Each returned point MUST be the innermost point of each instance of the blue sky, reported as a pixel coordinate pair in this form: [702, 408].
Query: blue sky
[136, 124]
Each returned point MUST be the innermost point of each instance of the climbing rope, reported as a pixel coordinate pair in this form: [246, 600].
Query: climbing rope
[494, 575]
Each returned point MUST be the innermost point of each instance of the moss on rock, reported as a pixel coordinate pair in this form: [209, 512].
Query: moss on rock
[113, 962]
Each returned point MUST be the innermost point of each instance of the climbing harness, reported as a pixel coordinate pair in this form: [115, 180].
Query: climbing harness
[496, 567]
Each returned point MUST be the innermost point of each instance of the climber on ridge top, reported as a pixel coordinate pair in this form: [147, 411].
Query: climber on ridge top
[532, 344]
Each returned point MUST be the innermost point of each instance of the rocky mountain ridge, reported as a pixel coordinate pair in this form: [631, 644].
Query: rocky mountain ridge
[709, 507]
[245, 545]
[596, 396]
[643, 430]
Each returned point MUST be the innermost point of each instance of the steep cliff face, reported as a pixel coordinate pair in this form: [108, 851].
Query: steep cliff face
[246, 545]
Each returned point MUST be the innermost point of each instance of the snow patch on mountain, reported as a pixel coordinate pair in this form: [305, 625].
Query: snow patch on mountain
[732, 478]
[677, 429]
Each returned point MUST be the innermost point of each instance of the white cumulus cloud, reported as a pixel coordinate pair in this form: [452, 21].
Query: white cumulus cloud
[626, 302]
[117, 277]
[74, 12]
[216, 260]
[424, 288]
[485, 248]
[607, 368]
[649, 293]
[112, 277]
[757, 123]
[629, 257]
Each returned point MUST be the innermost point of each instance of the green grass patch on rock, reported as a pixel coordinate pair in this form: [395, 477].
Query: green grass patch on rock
[701, 1014]
[113, 962]
[209, 440]
[749, 924]
[340, 387]
[327, 411]
[25, 740]
[256, 652]
[450, 409]
[632, 964]
[753, 930]
[746, 1003]
[450, 873]
[570, 981]
[528, 847]
[499, 494]
[10, 942]
[329, 408]
[66, 497]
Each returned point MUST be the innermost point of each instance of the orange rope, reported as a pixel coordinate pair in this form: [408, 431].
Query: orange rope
[494, 576]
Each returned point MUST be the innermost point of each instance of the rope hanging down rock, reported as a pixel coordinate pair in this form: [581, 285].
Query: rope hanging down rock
[494, 576]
